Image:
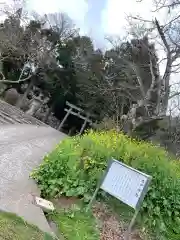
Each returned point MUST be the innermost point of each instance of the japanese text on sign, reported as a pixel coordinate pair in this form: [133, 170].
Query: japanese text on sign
[125, 183]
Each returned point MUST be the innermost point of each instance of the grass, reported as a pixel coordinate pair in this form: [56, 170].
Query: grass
[13, 227]
[76, 224]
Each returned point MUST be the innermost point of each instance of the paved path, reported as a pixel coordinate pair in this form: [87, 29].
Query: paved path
[22, 148]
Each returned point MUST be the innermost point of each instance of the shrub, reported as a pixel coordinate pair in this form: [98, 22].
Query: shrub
[11, 96]
[76, 164]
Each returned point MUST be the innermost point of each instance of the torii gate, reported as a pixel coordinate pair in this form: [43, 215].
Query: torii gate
[76, 111]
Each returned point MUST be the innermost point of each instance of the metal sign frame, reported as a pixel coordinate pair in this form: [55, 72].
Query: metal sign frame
[140, 200]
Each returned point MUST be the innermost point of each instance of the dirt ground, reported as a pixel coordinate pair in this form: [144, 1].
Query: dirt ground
[111, 228]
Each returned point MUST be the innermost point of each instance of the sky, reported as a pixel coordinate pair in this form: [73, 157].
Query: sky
[97, 18]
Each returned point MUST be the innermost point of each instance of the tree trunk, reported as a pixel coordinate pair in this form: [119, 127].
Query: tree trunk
[166, 90]
[163, 104]
[142, 116]
[20, 103]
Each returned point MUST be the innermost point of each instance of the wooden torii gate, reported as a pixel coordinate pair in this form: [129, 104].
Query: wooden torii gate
[76, 111]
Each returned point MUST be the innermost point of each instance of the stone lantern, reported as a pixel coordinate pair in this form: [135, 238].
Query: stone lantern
[35, 104]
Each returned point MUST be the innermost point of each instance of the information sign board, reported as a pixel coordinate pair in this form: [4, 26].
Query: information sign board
[125, 183]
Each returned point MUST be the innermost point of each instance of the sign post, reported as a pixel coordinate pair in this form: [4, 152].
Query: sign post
[126, 184]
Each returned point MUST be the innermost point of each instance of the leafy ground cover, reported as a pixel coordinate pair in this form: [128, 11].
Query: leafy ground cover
[77, 163]
[15, 228]
[76, 224]
[100, 223]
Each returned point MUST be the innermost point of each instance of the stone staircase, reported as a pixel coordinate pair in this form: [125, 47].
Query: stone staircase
[11, 115]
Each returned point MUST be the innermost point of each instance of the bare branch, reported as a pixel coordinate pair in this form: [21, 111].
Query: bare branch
[163, 38]
[18, 81]
[160, 4]
[174, 95]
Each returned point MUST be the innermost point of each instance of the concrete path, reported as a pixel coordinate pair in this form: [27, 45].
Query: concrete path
[22, 148]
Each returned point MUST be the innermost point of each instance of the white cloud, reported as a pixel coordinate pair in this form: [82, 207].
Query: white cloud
[114, 16]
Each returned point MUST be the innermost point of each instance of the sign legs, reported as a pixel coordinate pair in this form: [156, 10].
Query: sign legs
[129, 230]
[92, 199]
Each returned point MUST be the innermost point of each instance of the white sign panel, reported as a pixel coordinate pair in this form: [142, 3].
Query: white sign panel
[125, 183]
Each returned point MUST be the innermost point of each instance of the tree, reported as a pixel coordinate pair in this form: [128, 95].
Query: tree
[36, 46]
[132, 74]
[88, 66]
[166, 37]
[134, 66]
[60, 78]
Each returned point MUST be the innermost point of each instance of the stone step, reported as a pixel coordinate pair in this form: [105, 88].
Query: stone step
[11, 115]
[7, 119]
[9, 108]
[3, 121]
[13, 118]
